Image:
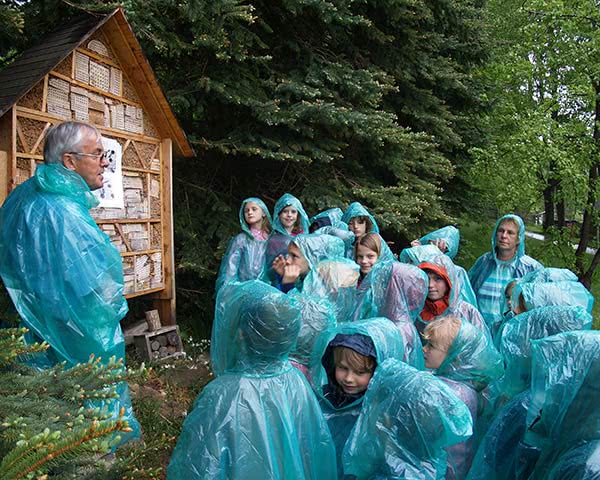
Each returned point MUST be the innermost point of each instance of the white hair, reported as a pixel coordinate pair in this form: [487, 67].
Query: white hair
[64, 138]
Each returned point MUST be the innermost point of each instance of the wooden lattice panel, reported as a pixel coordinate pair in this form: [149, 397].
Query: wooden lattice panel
[131, 157]
[31, 132]
[33, 98]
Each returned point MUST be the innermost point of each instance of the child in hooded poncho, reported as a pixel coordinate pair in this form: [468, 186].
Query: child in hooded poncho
[361, 222]
[258, 419]
[245, 255]
[289, 221]
[342, 364]
[465, 358]
[408, 419]
[444, 295]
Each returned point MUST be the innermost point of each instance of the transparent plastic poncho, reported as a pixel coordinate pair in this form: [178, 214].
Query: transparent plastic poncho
[472, 358]
[449, 234]
[564, 410]
[330, 222]
[388, 344]
[485, 265]
[244, 258]
[422, 253]
[497, 455]
[356, 209]
[456, 305]
[258, 418]
[278, 242]
[408, 419]
[552, 293]
[63, 275]
[515, 348]
[395, 291]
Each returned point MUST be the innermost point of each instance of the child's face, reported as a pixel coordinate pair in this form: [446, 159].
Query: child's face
[253, 214]
[295, 257]
[438, 287]
[434, 353]
[288, 217]
[507, 295]
[357, 226]
[366, 258]
[352, 381]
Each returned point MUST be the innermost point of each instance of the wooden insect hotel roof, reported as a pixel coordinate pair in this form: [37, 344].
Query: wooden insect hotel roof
[24, 73]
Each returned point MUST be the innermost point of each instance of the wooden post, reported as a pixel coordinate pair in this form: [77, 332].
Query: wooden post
[164, 301]
[6, 153]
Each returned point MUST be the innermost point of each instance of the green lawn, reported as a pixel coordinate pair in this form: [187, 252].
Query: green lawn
[476, 240]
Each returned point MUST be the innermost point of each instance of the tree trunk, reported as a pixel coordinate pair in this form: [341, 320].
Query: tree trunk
[548, 206]
[560, 213]
[585, 232]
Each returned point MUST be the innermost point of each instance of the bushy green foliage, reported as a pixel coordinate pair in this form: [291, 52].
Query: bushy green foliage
[334, 101]
[46, 426]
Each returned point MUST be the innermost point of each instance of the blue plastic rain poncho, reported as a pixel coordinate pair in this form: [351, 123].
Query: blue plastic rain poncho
[565, 388]
[63, 274]
[355, 209]
[550, 274]
[472, 358]
[515, 348]
[245, 255]
[316, 316]
[489, 275]
[580, 463]
[330, 276]
[279, 240]
[456, 305]
[330, 222]
[553, 293]
[395, 291]
[449, 234]
[258, 419]
[408, 418]
[496, 457]
[341, 412]
[422, 253]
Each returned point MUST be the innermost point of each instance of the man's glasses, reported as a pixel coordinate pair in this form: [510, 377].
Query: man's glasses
[100, 156]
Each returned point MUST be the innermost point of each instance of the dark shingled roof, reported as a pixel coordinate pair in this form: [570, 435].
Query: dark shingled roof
[27, 70]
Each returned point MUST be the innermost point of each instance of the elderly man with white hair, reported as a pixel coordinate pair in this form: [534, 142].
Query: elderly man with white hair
[61, 271]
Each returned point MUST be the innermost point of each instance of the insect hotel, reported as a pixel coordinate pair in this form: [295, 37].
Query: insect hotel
[94, 71]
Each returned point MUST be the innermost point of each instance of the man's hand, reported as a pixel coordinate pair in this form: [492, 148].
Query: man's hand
[290, 274]
[415, 243]
[278, 265]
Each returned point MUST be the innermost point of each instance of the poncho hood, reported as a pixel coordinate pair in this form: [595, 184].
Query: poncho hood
[261, 204]
[357, 210]
[287, 199]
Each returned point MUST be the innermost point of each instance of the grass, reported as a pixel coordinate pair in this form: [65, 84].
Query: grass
[476, 240]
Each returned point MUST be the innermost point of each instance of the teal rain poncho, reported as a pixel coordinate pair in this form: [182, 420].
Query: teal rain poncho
[550, 274]
[472, 358]
[456, 305]
[580, 463]
[408, 418]
[330, 222]
[316, 316]
[552, 293]
[490, 297]
[496, 457]
[564, 398]
[422, 253]
[388, 344]
[515, 348]
[355, 209]
[279, 240]
[245, 255]
[63, 274]
[397, 292]
[331, 276]
[449, 234]
[258, 419]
